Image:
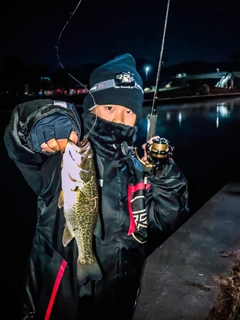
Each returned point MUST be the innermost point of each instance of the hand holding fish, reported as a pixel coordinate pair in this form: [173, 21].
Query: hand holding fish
[54, 145]
[52, 133]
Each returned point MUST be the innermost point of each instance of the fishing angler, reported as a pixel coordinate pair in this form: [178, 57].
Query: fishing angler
[101, 209]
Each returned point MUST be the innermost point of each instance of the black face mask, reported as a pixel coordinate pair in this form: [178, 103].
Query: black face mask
[109, 139]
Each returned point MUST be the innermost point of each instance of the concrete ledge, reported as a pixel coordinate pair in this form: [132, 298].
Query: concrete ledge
[191, 256]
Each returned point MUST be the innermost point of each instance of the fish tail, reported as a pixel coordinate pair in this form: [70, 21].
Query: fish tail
[88, 271]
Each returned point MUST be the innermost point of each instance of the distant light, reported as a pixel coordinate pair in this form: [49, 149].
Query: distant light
[179, 117]
[147, 68]
[217, 70]
[45, 78]
[181, 75]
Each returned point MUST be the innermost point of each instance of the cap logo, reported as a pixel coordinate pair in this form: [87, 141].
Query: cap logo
[124, 80]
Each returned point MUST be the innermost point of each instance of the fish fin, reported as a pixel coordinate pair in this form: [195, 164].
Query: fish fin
[61, 199]
[88, 271]
[67, 236]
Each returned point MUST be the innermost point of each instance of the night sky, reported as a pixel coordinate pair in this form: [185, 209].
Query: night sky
[206, 30]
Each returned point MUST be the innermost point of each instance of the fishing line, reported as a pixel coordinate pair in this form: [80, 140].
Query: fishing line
[62, 66]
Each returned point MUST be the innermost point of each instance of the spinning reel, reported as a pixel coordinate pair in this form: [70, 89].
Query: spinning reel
[158, 154]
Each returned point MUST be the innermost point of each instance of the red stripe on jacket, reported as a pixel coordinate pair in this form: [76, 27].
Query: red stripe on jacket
[55, 289]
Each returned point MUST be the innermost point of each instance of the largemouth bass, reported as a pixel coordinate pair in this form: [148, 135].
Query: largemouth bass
[79, 199]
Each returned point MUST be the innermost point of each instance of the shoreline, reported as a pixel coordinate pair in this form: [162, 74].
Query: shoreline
[9, 102]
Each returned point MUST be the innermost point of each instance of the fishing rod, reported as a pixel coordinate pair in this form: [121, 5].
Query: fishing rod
[159, 151]
[152, 118]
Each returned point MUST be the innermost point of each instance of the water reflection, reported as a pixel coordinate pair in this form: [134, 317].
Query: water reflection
[223, 111]
[171, 117]
[206, 140]
[180, 118]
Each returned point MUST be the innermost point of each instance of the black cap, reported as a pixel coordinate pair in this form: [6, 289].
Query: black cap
[116, 82]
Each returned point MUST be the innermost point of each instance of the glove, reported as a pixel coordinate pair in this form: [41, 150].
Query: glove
[56, 126]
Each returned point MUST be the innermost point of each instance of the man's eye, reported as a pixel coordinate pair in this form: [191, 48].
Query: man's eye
[130, 111]
[109, 108]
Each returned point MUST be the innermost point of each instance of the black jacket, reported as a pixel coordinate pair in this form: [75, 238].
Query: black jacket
[126, 232]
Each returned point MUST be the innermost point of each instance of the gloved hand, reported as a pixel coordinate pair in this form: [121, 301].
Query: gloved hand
[51, 133]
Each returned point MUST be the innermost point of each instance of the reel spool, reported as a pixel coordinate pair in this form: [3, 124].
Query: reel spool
[158, 153]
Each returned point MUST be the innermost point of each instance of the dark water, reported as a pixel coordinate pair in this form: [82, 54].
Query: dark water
[206, 137]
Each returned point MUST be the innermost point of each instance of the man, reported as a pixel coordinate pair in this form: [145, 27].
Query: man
[134, 216]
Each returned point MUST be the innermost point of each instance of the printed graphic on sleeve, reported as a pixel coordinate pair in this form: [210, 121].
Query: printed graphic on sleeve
[137, 211]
